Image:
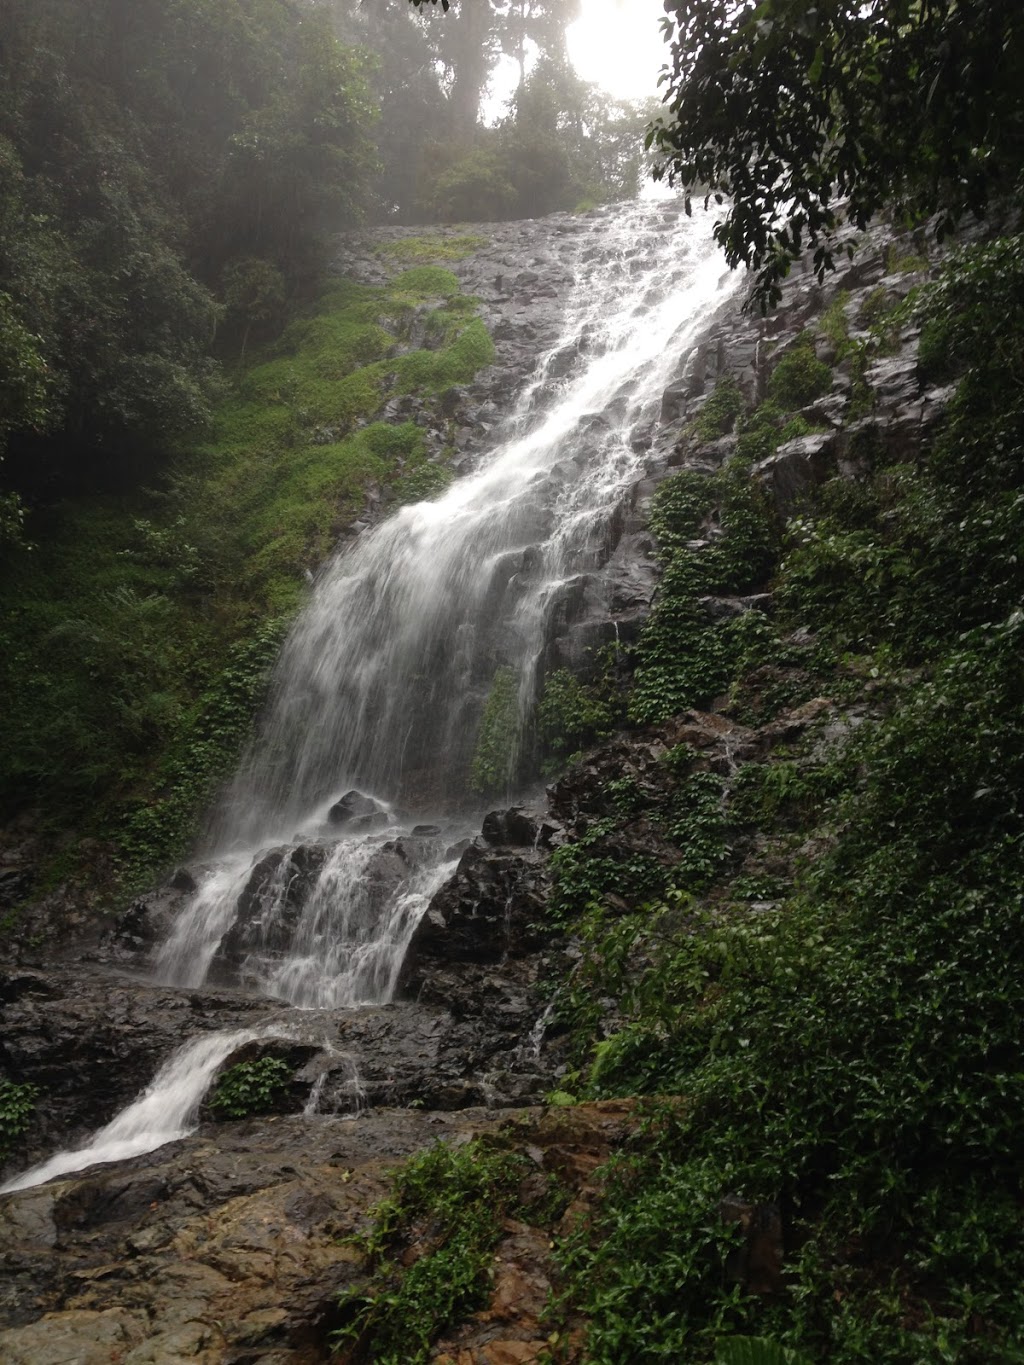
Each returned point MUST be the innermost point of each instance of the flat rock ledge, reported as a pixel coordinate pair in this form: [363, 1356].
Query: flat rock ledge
[231, 1247]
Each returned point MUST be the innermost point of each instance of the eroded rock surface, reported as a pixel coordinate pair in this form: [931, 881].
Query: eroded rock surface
[231, 1245]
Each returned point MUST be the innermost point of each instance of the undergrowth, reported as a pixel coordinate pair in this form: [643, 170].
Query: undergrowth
[136, 634]
[836, 1005]
[429, 1248]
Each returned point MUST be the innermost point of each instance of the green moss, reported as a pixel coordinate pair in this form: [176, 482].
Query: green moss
[497, 742]
[457, 363]
[426, 282]
[422, 482]
[905, 262]
[430, 250]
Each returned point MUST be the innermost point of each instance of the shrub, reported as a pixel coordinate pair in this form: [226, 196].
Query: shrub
[255, 1087]
[799, 377]
[720, 410]
[17, 1105]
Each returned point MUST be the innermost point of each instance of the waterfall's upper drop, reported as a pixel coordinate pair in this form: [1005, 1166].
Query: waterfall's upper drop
[382, 681]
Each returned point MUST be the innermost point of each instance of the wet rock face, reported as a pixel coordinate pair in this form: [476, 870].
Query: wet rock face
[91, 1041]
[233, 1245]
[518, 827]
[485, 913]
[269, 908]
[522, 275]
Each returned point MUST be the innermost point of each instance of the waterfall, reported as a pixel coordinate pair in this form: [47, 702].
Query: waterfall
[165, 1111]
[353, 802]
[381, 683]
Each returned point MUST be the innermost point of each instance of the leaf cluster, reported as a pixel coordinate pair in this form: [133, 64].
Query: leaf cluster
[796, 118]
[17, 1106]
[255, 1087]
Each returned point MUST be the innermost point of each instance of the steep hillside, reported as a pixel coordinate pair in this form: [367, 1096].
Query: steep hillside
[757, 945]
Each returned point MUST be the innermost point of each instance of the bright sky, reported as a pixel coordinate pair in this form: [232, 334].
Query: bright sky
[618, 45]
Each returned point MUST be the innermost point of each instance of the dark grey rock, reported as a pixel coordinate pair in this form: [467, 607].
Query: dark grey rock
[352, 804]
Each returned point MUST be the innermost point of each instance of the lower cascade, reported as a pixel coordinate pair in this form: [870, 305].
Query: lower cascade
[356, 801]
[166, 1110]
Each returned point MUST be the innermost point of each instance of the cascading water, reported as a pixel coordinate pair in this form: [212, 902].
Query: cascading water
[165, 1111]
[381, 683]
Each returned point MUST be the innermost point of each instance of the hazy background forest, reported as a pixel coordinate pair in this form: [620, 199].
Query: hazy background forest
[195, 154]
[171, 174]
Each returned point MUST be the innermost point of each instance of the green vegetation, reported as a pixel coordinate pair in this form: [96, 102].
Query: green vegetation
[429, 249]
[17, 1105]
[256, 1087]
[497, 741]
[756, 1351]
[842, 1029]
[718, 414]
[903, 107]
[564, 142]
[157, 161]
[447, 1209]
[138, 630]
[572, 714]
[559, 141]
[799, 377]
[684, 659]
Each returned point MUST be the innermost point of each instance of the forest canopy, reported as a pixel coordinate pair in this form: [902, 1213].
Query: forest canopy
[170, 172]
[148, 152]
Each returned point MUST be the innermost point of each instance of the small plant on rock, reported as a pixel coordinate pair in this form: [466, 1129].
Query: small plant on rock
[17, 1105]
[255, 1087]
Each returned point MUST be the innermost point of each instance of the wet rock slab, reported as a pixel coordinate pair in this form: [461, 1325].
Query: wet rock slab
[231, 1245]
[92, 1040]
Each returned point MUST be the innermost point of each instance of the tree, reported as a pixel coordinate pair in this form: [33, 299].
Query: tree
[404, 77]
[468, 42]
[541, 23]
[146, 146]
[798, 117]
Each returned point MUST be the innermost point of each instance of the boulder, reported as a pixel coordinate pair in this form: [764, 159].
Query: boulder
[517, 828]
[351, 805]
[487, 911]
[797, 467]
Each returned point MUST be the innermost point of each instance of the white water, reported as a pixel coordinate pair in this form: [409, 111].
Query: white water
[343, 951]
[165, 1111]
[381, 683]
